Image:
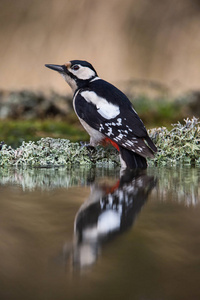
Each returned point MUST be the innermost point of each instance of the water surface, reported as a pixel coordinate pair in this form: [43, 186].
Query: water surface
[96, 234]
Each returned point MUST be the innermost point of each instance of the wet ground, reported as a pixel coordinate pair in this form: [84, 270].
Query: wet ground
[99, 234]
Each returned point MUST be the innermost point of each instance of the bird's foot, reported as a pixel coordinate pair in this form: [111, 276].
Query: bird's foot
[88, 147]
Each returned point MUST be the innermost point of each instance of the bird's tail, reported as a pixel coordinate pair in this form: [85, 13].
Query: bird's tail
[131, 160]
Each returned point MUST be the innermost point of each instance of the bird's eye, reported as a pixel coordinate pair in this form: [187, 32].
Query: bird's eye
[75, 67]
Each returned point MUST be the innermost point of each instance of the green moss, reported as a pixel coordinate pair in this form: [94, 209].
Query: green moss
[14, 132]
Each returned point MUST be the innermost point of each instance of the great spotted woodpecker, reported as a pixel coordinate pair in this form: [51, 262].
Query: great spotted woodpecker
[107, 114]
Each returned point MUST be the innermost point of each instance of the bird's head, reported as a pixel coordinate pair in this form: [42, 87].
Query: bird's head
[77, 73]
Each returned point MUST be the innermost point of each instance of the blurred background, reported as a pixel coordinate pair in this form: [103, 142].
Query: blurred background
[149, 49]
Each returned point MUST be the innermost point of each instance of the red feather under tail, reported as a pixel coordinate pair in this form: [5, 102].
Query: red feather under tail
[108, 141]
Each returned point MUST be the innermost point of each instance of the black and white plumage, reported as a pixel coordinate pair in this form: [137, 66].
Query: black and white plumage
[107, 114]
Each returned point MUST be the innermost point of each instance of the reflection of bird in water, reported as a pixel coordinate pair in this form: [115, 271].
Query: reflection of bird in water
[110, 210]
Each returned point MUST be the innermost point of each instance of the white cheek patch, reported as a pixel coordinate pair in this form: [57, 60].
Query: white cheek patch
[83, 73]
[70, 81]
[104, 108]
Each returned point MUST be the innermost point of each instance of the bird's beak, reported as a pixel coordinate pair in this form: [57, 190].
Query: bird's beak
[58, 68]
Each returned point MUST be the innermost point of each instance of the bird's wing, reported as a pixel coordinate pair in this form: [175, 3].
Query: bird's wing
[119, 123]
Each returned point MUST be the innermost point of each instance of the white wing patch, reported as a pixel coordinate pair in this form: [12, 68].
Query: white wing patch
[104, 108]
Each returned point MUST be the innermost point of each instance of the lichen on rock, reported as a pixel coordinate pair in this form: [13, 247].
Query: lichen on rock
[181, 145]
[49, 152]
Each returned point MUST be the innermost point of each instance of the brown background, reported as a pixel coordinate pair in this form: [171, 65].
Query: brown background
[139, 39]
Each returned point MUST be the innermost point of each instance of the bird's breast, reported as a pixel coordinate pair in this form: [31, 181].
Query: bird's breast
[96, 136]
